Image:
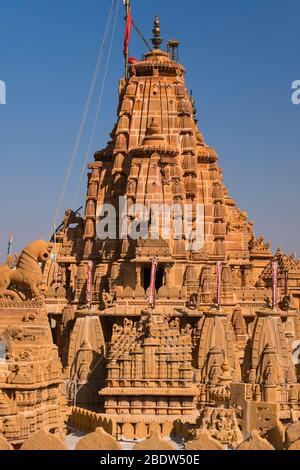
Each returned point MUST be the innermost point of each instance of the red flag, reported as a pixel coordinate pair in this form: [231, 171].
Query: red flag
[219, 281]
[127, 33]
[286, 282]
[152, 282]
[89, 284]
[132, 60]
[274, 283]
[10, 242]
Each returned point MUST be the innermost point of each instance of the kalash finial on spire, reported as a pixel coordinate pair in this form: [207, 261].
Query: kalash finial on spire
[156, 40]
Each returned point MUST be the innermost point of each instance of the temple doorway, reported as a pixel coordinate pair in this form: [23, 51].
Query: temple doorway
[147, 277]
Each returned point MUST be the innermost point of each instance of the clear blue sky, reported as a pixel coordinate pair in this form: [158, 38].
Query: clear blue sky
[241, 58]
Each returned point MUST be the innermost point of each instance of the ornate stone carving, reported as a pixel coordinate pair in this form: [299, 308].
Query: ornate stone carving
[27, 273]
[30, 374]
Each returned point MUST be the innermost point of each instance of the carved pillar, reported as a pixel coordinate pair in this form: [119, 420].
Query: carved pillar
[127, 370]
[167, 275]
[138, 271]
[150, 365]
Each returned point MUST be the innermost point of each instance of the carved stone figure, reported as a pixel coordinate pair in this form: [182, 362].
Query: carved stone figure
[27, 273]
[107, 299]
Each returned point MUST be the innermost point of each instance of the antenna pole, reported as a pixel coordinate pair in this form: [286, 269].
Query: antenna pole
[127, 9]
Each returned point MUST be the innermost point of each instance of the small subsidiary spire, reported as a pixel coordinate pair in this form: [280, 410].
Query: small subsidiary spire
[156, 40]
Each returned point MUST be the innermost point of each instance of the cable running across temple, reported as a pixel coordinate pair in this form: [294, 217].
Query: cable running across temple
[85, 113]
[88, 151]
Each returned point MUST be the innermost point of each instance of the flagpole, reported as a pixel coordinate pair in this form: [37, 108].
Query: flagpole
[10, 242]
[127, 8]
[274, 284]
[286, 282]
[89, 285]
[219, 269]
[152, 295]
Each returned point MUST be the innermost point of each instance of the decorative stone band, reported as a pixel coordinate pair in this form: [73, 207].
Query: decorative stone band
[146, 150]
[132, 426]
[21, 305]
[163, 67]
[206, 154]
[137, 391]
[34, 385]
[104, 155]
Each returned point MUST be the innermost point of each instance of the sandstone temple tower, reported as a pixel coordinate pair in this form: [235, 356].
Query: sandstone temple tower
[216, 349]
[194, 357]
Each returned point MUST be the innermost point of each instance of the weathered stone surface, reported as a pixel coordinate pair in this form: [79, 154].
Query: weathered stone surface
[204, 442]
[98, 440]
[255, 442]
[295, 445]
[276, 436]
[154, 428]
[128, 431]
[4, 444]
[141, 431]
[43, 440]
[167, 428]
[154, 442]
[30, 371]
[292, 433]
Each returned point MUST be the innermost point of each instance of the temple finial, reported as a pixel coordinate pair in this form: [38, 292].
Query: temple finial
[156, 40]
